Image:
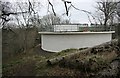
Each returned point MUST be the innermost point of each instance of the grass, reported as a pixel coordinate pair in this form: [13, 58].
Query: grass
[34, 64]
[67, 51]
[21, 64]
[30, 61]
[99, 62]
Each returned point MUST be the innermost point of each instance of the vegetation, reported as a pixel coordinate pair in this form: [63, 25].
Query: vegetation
[85, 63]
[47, 22]
[21, 52]
[107, 11]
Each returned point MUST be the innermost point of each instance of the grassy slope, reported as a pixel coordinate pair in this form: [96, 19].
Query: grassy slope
[33, 63]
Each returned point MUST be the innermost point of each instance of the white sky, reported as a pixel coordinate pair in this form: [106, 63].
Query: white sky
[76, 16]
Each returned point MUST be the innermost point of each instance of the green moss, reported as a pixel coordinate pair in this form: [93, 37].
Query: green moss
[64, 52]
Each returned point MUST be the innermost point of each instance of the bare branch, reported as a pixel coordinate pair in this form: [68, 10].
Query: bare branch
[87, 13]
[31, 7]
[108, 9]
[52, 7]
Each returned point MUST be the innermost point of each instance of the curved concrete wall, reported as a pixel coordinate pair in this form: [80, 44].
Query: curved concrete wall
[55, 42]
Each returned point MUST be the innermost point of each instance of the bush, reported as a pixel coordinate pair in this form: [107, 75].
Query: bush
[14, 42]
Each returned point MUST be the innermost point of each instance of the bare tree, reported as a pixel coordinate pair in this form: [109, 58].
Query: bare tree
[6, 10]
[28, 19]
[108, 9]
[118, 10]
[48, 21]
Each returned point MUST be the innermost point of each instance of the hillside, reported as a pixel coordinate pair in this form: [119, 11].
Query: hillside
[99, 61]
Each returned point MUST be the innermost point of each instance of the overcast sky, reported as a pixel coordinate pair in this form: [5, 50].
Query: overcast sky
[75, 15]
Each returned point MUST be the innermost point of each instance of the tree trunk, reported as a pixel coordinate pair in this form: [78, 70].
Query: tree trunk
[118, 28]
[117, 32]
[69, 56]
[105, 24]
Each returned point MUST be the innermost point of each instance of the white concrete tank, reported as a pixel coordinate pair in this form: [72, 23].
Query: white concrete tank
[58, 41]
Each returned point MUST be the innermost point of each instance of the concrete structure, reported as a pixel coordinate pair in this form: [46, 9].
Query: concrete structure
[66, 28]
[69, 27]
[81, 28]
[98, 29]
[58, 41]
